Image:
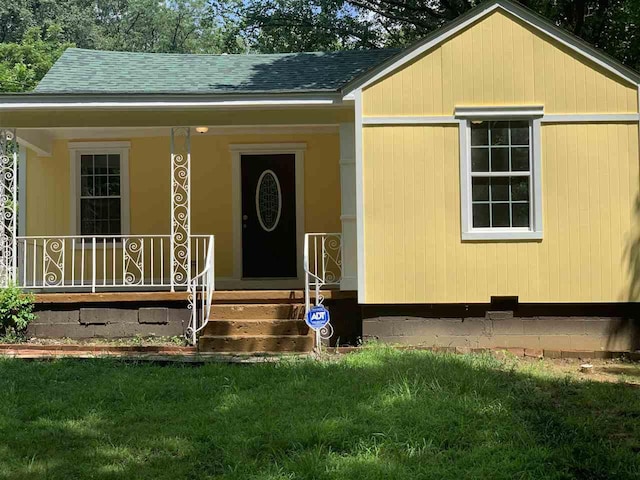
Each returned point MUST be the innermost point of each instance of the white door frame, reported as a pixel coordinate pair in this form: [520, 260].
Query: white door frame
[237, 150]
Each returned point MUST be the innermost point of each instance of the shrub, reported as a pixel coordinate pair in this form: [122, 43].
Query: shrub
[16, 312]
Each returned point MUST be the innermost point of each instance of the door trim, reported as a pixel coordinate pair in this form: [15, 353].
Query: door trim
[237, 150]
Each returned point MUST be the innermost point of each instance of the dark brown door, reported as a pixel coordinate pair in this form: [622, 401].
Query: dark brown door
[268, 216]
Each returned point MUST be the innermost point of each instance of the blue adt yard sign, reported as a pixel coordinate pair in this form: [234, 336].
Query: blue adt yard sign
[317, 317]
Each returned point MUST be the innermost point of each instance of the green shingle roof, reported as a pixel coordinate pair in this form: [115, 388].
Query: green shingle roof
[100, 72]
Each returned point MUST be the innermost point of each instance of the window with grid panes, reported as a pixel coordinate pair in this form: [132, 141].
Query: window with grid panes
[501, 174]
[100, 194]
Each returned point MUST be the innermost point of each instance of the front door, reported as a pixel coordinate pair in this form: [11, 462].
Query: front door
[268, 216]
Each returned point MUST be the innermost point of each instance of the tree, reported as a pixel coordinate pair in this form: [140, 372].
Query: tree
[299, 25]
[611, 25]
[23, 64]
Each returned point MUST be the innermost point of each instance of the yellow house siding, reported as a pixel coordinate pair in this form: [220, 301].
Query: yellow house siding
[48, 208]
[499, 60]
[413, 247]
[48, 196]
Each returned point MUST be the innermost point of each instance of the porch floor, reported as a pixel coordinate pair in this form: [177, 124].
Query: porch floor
[220, 296]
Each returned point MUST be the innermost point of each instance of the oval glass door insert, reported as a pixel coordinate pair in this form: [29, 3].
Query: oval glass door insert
[268, 200]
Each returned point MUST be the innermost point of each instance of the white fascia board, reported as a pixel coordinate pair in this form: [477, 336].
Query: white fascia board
[37, 102]
[524, 15]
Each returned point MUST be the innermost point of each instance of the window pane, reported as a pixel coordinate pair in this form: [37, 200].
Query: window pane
[86, 186]
[500, 215]
[520, 214]
[87, 210]
[114, 164]
[480, 133]
[114, 186]
[520, 133]
[519, 159]
[480, 159]
[499, 159]
[86, 164]
[499, 133]
[87, 228]
[100, 164]
[114, 227]
[101, 185]
[519, 188]
[480, 215]
[102, 227]
[480, 189]
[114, 208]
[500, 189]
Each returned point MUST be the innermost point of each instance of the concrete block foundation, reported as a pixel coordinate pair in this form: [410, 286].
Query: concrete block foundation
[614, 328]
[119, 321]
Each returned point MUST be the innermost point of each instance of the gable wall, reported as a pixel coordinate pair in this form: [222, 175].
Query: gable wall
[499, 61]
[413, 252]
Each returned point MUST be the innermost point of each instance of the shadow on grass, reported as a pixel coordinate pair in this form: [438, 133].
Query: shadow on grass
[376, 414]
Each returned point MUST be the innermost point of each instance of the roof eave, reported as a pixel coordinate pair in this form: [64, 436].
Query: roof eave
[79, 101]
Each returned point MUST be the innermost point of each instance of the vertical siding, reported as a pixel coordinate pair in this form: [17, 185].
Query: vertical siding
[499, 61]
[48, 197]
[412, 220]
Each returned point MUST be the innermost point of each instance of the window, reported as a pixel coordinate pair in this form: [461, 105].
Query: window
[500, 174]
[100, 188]
[500, 178]
[100, 199]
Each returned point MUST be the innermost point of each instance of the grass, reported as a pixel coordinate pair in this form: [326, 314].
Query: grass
[377, 414]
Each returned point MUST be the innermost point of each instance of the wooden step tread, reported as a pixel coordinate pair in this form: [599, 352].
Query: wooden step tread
[237, 337]
[217, 327]
[256, 343]
[264, 311]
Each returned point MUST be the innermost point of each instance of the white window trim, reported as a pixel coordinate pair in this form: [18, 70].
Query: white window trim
[76, 149]
[465, 116]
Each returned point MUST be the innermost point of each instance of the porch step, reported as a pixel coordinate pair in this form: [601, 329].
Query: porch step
[255, 343]
[258, 311]
[255, 327]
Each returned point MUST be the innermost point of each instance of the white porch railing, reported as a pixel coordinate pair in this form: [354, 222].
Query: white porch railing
[323, 268]
[109, 262]
[201, 290]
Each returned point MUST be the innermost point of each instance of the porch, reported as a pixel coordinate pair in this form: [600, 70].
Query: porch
[184, 202]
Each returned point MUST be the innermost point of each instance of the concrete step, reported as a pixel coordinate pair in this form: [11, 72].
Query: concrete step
[224, 327]
[260, 311]
[255, 343]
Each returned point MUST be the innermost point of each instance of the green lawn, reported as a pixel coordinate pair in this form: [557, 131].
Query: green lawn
[376, 414]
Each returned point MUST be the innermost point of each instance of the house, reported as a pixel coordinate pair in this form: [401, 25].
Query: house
[478, 189]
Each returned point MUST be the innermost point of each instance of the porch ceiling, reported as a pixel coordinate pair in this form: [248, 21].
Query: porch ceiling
[33, 135]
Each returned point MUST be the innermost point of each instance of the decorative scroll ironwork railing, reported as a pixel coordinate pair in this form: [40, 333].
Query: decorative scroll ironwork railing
[323, 268]
[8, 205]
[103, 262]
[201, 291]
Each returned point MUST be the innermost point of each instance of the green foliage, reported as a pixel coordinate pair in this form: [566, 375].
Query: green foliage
[273, 26]
[23, 64]
[16, 312]
[290, 25]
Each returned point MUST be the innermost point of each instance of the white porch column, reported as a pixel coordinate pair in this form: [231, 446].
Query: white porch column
[180, 206]
[8, 205]
[348, 207]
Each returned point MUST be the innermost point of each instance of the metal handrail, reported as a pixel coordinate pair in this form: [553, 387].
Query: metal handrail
[322, 263]
[206, 280]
